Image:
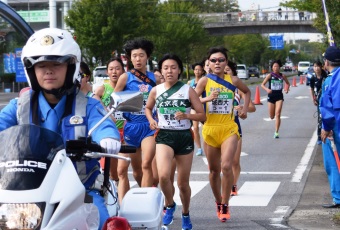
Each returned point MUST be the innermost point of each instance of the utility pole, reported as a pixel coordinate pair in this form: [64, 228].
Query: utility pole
[53, 13]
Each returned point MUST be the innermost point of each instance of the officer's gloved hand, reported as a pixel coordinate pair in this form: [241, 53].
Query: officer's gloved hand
[112, 146]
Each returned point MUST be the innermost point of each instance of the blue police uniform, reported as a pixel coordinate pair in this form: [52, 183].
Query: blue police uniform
[137, 125]
[330, 121]
[47, 118]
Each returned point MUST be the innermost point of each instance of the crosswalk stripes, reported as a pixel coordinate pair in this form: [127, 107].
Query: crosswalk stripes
[251, 193]
[257, 193]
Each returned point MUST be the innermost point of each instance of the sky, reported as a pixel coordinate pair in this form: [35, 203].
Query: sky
[262, 4]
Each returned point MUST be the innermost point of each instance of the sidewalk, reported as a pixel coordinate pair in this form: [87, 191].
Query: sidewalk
[309, 213]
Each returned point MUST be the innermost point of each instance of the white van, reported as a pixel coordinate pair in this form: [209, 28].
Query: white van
[99, 75]
[242, 71]
[303, 66]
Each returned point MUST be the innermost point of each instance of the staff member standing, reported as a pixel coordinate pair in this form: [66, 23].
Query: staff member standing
[330, 113]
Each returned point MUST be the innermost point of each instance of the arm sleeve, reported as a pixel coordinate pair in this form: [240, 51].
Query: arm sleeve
[335, 89]
[107, 129]
[326, 109]
[8, 115]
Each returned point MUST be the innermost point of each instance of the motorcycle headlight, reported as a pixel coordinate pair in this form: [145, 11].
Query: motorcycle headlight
[21, 216]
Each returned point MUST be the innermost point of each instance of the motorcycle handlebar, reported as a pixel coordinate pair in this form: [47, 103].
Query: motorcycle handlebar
[78, 149]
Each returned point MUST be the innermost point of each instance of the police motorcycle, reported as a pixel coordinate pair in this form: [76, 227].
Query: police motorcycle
[40, 188]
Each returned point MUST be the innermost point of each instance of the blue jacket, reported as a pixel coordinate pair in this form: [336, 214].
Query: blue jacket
[330, 101]
[88, 173]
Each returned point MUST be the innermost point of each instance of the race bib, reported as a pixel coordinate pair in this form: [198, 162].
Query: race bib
[222, 105]
[276, 85]
[168, 115]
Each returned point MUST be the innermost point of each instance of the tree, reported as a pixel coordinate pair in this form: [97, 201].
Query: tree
[216, 6]
[179, 30]
[316, 7]
[102, 26]
[246, 49]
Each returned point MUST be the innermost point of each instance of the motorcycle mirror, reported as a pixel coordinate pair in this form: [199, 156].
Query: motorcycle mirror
[126, 101]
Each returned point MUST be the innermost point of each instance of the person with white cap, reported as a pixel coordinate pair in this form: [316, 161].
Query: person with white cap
[51, 59]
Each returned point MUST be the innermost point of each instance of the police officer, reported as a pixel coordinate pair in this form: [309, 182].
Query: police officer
[330, 107]
[51, 60]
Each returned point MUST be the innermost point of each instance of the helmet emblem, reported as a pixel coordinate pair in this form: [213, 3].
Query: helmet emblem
[46, 40]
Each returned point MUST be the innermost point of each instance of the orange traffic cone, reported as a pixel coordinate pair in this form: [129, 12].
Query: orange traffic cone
[301, 80]
[294, 82]
[257, 100]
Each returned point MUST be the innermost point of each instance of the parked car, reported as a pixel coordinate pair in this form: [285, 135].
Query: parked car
[288, 66]
[303, 67]
[99, 75]
[309, 73]
[253, 72]
[242, 71]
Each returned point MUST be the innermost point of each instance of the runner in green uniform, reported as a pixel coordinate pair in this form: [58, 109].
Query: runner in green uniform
[115, 68]
[174, 138]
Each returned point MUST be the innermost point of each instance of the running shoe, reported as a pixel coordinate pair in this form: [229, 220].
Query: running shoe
[169, 214]
[276, 135]
[234, 190]
[199, 152]
[218, 209]
[186, 223]
[224, 213]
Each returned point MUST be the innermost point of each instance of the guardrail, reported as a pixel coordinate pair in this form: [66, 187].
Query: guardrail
[256, 15]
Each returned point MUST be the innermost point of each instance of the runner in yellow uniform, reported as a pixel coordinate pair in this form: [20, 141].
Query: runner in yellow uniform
[220, 132]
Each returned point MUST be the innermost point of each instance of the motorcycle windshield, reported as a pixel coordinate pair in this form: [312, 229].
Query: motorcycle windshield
[27, 152]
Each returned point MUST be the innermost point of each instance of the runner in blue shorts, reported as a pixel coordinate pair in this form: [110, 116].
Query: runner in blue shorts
[136, 130]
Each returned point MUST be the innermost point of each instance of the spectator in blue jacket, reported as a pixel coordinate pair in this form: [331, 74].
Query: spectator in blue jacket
[330, 114]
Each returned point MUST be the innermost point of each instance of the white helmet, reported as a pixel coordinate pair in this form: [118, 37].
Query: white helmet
[52, 44]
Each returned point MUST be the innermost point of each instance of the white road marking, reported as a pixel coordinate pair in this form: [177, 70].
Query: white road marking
[267, 173]
[246, 173]
[255, 193]
[301, 97]
[280, 212]
[281, 209]
[244, 154]
[132, 183]
[269, 119]
[196, 187]
[301, 168]
[279, 226]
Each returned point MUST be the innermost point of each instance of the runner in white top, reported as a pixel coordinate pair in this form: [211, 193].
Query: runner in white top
[174, 138]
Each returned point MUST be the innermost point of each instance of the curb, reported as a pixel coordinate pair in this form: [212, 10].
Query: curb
[309, 213]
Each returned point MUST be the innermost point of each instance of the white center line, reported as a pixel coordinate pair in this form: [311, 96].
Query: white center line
[301, 168]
